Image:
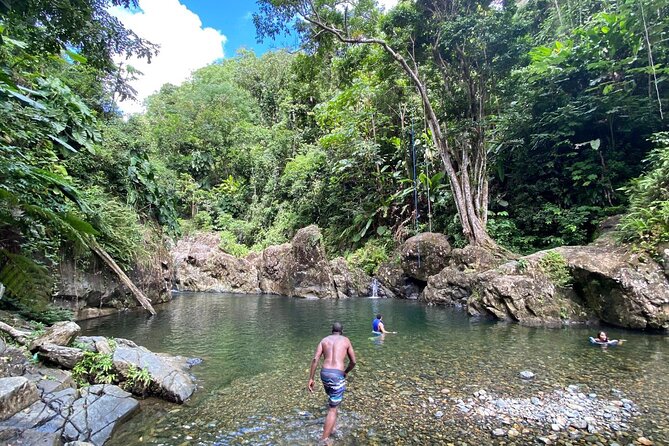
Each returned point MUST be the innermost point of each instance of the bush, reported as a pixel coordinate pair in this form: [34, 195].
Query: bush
[121, 233]
[647, 222]
[370, 256]
[555, 267]
[230, 244]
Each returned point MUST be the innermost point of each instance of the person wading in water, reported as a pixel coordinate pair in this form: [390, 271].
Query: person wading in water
[334, 349]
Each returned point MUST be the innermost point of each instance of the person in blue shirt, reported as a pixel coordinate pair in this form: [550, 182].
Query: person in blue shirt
[377, 326]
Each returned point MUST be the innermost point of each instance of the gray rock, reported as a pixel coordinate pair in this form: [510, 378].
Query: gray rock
[536, 401]
[526, 374]
[439, 414]
[498, 432]
[202, 266]
[168, 380]
[30, 437]
[349, 281]
[95, 415]
[16, 393]
[95, 291]
[60, 333]
[424, 255]
[64, 356]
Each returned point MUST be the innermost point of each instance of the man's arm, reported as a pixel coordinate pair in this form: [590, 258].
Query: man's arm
[314, 364]
[382, 329]
[351, 359]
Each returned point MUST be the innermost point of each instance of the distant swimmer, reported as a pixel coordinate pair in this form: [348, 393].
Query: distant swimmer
[334, 349]
[377, 326]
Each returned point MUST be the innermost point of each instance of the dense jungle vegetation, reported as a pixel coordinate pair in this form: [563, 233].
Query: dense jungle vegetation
[532, 122]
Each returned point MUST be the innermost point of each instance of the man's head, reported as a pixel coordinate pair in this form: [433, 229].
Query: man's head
[379, 316]
[337, 327]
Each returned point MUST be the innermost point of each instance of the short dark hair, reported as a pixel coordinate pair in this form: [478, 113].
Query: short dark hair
[379, 316]
[337, 327]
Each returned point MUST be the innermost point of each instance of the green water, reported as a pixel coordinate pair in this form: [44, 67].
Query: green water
[257, 349]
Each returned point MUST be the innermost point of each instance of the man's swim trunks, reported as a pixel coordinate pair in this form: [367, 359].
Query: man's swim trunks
[334, 384]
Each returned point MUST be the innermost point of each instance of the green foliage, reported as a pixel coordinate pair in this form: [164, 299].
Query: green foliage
[230, 245]
[120, 232]
[23, 278]
[554, 265]
[137, 381]
[647, 222]
[94, 368]
[370, 256]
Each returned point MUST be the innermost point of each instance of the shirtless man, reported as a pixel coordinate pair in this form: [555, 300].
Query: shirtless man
[333, 349]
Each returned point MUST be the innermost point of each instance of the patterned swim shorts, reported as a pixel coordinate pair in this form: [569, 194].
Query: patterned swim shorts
[334, 384]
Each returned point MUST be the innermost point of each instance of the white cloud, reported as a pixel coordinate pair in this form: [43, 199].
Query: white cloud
[184, 45]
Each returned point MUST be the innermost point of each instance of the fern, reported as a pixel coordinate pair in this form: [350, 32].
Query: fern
[24, 279]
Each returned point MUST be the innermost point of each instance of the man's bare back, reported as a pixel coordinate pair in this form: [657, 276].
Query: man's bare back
[335, 348]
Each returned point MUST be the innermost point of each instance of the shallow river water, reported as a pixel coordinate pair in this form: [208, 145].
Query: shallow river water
[420, 386]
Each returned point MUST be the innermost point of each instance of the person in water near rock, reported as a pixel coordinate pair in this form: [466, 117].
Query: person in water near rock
[377, 326]
[334, 349]
[601, 337]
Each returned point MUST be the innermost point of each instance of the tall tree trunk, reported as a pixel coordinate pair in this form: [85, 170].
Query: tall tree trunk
[473, 225]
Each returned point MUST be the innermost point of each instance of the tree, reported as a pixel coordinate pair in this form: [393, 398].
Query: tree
[404, 40]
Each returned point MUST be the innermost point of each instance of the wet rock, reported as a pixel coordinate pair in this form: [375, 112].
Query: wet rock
[439, 414]
[16, 393]
[645, 441]
[526, 374]
[167, 380]
[396, 283]
[95, 291]
[424, 255]
[498, 432]
[60, 333]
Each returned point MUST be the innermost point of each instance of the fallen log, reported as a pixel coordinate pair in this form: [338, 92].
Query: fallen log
[97, 249]
[19, 336]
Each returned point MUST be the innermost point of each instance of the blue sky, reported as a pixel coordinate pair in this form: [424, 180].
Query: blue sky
[191, 34]
[233, 19]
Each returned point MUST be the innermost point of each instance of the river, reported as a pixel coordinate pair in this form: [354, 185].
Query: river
[414, 387]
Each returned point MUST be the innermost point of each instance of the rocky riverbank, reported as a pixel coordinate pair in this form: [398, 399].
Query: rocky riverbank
[604, 282]
[45, 392]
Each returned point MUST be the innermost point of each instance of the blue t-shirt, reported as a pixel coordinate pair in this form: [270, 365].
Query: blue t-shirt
[375, 325]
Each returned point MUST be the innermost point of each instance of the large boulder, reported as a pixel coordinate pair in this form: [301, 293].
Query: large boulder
[275, 269]
[622, 287]
[349, 281]
[66, 357]
[202, 266]
[312, 273]
[424, 255]
[60, 333]
[474, 258]
[530, 299]
[167, 380]
[395, 283]
[16, 393]
[299, 268]
[449, 287]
